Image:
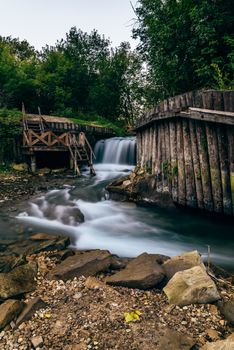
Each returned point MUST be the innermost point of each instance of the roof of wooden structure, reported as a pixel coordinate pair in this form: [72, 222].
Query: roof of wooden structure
[48, 118]
[207, 105]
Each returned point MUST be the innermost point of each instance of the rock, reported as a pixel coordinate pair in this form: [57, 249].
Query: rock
[9, 310]
[126, 183]
[119, 263]
[20, 167]
[142, 272]
[212, 334]
[183, 262]
[29, 310]
[62, 254]
[227, 309]
[37, 341]
[82, 264]
[59, 243]
[20, 280]
[173, 340]
[227, 344]
[9, 262]
[192, 286]
[94, 283]
[42, 237]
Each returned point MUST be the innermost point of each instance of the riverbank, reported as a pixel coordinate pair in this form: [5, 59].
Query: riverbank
[122, 305]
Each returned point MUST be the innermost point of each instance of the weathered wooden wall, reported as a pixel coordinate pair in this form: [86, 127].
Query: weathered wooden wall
[192, 158]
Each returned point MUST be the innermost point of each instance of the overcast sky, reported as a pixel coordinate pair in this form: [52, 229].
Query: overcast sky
[42, 22]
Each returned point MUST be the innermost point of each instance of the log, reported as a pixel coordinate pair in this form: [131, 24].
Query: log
[167, 165]
[181, 167]
[159, 159]
[225, 169]
[153, 148]
[215, 173]
[174, 162]
[205, 168]
[196, 165]
[191, 199]
[230, 133]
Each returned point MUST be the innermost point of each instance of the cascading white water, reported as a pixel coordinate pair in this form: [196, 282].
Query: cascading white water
[122, 228]
[116, 150]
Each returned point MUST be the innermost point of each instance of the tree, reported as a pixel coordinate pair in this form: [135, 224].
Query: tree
[182, 39]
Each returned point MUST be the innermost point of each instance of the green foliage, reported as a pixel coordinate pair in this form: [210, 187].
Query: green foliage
[183, 41]
[9, 123]
[81, 75]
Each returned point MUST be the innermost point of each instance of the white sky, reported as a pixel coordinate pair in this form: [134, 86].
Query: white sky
[42, 22]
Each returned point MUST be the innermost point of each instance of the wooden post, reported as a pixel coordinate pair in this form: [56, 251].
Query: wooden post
[33, 163]
[159, 158]
[225, 172]
[191, 198]
[181, 168]
[205, 168]
[230, 134]
[174, 162]
[196, 165]
[215, 174]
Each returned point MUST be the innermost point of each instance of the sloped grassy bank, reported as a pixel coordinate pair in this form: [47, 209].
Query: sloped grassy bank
[94, 300]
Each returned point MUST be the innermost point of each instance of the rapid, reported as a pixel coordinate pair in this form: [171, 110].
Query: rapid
[124, 228]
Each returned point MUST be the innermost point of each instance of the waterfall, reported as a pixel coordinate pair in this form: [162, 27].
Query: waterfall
[116, 150]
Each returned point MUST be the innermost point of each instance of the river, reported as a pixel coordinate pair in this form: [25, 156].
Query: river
[125, 228]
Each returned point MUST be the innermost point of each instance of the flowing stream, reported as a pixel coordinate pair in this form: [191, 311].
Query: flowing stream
[124, 228]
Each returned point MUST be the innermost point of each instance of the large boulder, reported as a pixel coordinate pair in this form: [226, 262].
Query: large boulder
[82, 264]
[183, 262]
[192, 286]
[20, 280]
[173, 340]
[9, 310]
[227, 344]
[226, 307]
[143, 272]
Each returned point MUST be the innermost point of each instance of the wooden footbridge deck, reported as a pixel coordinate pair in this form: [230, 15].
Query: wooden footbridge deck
[50, 134]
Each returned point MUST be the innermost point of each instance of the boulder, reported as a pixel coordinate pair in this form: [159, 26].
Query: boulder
[226, 307]
[82, 264]
[29, 310]
[9, 262]
[142, 272]
[183, 262]
[9, 310]
[20, 280]
[173, 340]
[227, 344]
[192, 286]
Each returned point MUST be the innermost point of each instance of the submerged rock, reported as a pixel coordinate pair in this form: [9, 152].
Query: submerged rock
[142, 272]
[9, 310]
[82, 264]
[183, 262]
[192, 286]
[20, 280]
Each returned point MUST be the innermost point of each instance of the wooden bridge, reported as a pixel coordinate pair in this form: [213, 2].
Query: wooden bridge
[43, 134]
[187, 144]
